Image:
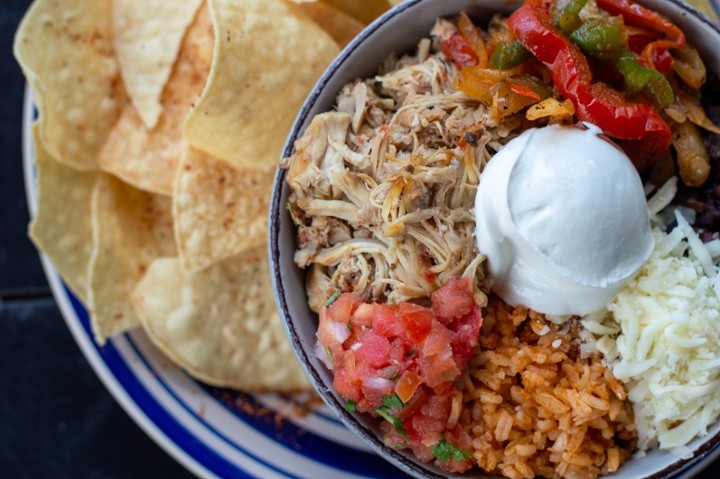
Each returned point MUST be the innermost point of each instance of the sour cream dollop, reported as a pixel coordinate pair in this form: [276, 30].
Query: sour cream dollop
[562, 217]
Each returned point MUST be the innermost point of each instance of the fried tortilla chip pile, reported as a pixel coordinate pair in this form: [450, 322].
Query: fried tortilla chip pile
[160, 125]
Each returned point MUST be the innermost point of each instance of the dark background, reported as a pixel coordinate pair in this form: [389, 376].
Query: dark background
[56, 418]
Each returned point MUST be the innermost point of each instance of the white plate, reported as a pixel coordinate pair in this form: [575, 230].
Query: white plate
[213, 432]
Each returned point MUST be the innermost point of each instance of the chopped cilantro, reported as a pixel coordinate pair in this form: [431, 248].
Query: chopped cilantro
[329, 355]
[393, 376]
[331, 299]
[350, 405]
[385, 414]
[445, 451]
[349, 325]
[411, 353]
[392, 402]
[400, 445]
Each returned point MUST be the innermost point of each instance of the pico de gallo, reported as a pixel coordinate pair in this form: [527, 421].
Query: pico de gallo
[399, 362]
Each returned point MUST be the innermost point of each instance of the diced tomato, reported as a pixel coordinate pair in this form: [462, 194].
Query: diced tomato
[440, 368]
[363, 315]
[399, 349]
[437, 341]
[424, 428]
[342, 308]
[406, 386]
[453, 300]
[437, 406]
[346, 381]
[374, 350]
[466, 331]
[385, 322]
[416, 321]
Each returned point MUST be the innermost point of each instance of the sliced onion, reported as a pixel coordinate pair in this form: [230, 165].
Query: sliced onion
[377, 383]
[339, 331]
[322, 355]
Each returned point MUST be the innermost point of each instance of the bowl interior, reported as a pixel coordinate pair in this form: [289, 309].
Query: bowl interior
[399, 31]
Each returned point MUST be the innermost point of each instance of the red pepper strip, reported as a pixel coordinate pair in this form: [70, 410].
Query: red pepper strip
[525, 90]
[634, 14]
[662, 60]
[598, 104]
[661, 56]
[458, 49]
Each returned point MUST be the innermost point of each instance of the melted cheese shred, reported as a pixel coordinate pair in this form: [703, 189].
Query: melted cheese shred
[661, 336]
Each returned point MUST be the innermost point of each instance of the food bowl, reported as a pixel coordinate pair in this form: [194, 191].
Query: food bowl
[398, 31]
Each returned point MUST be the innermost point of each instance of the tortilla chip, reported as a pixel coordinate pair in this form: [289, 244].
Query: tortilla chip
[66, 53]
[267, 57]
[147, 36]
[705, 7]
[148, 159]
[363, 10]
[341, 27]
[220, 324]
[219, 211]
[130, 229]
[61, 227]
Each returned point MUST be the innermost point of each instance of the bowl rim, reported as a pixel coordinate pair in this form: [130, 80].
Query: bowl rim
[709, 448]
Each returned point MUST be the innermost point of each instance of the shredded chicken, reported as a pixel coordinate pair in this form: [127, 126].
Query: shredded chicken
[383, 187]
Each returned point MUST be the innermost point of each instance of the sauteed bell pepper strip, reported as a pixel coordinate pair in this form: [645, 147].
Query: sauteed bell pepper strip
[639, 78]
[458, 49]
[509, 55]
[569, 19]
[596, 103]
[603, 39]
[634, 14]
[606, 39]
[470, 32]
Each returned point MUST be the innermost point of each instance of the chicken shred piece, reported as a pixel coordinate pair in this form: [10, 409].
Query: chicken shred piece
[382, 188]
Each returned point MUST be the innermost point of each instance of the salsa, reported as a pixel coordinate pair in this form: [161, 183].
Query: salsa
[399, 362]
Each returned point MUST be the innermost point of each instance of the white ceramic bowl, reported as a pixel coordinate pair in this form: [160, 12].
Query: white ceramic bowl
[398, 31]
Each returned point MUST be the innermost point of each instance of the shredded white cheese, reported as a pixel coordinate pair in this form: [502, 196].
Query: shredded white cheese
[661, 336]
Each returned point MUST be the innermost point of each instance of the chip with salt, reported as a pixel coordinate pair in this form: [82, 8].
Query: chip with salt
[130, 228]
[147, 36]
[341, 27]
[148, 159]
[61, 227]
[268, 55]
[219, 210]
[364, 10]
[220, 324]
[66, 53]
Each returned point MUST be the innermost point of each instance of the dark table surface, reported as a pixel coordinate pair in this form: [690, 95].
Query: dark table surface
[56, 418]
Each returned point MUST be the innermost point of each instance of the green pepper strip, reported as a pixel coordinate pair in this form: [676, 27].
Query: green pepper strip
[531, 24]
[607, 40]
[638, 78]
[601, 38]
[568, 21]
[509, 55]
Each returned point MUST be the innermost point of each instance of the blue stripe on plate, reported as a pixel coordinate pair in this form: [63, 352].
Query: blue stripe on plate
[311, 445]
[294, 438]
[195, 415]
[155, 411]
